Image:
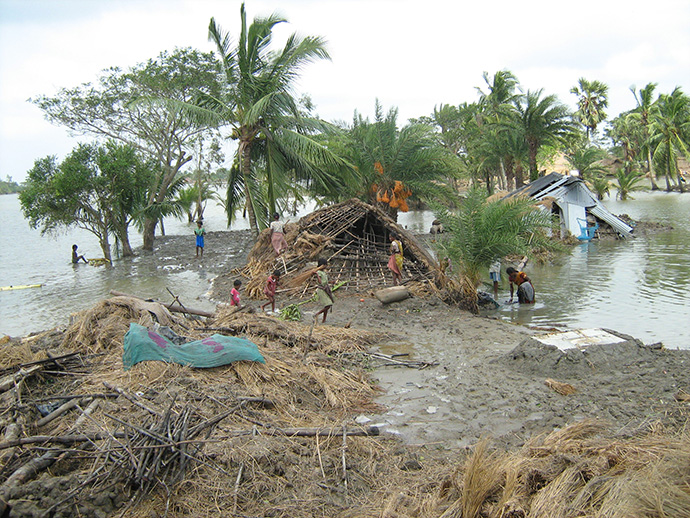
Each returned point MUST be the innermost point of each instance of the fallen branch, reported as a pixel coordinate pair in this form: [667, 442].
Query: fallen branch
[59, 411]
[170, 307]
[11, 381]
[132, 399]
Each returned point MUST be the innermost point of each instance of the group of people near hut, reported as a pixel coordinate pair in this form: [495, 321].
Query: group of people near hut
[324, 295]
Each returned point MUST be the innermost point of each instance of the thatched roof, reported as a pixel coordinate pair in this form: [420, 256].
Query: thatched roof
[353, 236]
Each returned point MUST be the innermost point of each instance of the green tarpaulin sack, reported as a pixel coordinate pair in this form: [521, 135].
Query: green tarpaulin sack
[142, 344]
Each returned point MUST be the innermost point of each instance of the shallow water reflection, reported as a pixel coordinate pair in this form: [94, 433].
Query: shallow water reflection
[639, 287]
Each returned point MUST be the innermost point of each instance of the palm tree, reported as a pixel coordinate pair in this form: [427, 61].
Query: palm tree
[395, 162]
[544, 121]
[275, 148]
[600, 185]
[643, 114]
[587, 160]
[591, 103]
[627, 181]
[497, 105]
[479, 231]
[671, 133]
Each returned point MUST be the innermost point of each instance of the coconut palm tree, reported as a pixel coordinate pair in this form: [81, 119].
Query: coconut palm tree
[591, 103]
[544, 120]
[643, 114]
[275, 146]
[671, 134]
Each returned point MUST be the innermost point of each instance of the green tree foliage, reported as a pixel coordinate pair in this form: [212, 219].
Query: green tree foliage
[137, 107]
[600, 185]
[502, 135]
[627, 181]
[98, 189]
[643, 115]
[276, 151]
[671, 134]
[396, 162]
[587, 160]
[544, 121]
[653, 136]
[591, 104]
[9, 186]
[480, 231]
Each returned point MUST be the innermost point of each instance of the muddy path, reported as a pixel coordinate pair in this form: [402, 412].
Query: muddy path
[475, 386]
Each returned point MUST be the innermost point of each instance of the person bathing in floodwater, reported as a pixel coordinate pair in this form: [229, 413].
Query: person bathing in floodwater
[395, 261]
[525, 288]
[324, 295]
[200, 232]
[278, 235]
[76, 257]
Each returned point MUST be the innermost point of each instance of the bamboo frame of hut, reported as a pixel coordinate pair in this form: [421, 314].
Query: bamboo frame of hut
[353, 236]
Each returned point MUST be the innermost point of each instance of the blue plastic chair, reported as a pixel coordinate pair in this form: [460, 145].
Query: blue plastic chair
[586, 232]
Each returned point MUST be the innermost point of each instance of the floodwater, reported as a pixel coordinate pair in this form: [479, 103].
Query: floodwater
[639, 286]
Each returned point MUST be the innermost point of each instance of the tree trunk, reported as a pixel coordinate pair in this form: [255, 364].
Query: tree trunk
[105, 246]
[510, 173]
[123, 237]
[650, 170]
[519, 182]
[245, 154]
[533, 149]
[149, 233]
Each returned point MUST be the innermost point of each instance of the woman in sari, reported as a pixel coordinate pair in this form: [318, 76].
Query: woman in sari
[395, 261]
[278, 235]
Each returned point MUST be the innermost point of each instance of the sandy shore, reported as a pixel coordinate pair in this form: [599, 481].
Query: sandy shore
[487, 377]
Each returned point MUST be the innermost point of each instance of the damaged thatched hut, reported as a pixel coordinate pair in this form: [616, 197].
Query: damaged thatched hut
[353, 236]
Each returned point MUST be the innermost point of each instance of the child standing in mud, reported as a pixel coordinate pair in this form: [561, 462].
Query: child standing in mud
[200, 232]
[235, 293]
[324, 295]
[270, 290]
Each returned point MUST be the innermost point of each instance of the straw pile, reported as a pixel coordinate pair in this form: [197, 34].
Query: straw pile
[144, 444]
[574, 472]
[103, 326]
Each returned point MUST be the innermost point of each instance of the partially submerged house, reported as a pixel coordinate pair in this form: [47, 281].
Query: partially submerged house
[580, 212]
[353, 236]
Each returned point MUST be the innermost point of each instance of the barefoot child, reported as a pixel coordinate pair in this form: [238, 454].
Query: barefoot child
[270, 290]
[200, 232]
[235, 294]
[324, 296]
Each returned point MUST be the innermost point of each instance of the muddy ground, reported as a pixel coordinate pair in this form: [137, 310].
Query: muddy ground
[487, 377]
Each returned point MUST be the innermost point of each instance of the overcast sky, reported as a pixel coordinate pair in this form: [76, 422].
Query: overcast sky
[413, 55]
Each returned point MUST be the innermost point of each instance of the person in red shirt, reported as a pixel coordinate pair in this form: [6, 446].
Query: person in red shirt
[270, 290]
[235, 294]
[525, 288]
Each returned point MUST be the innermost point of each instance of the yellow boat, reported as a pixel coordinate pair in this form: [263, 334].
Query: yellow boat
[20, 287]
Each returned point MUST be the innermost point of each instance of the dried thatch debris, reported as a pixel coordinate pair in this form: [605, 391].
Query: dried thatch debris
[354, 237]
[564, 389]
